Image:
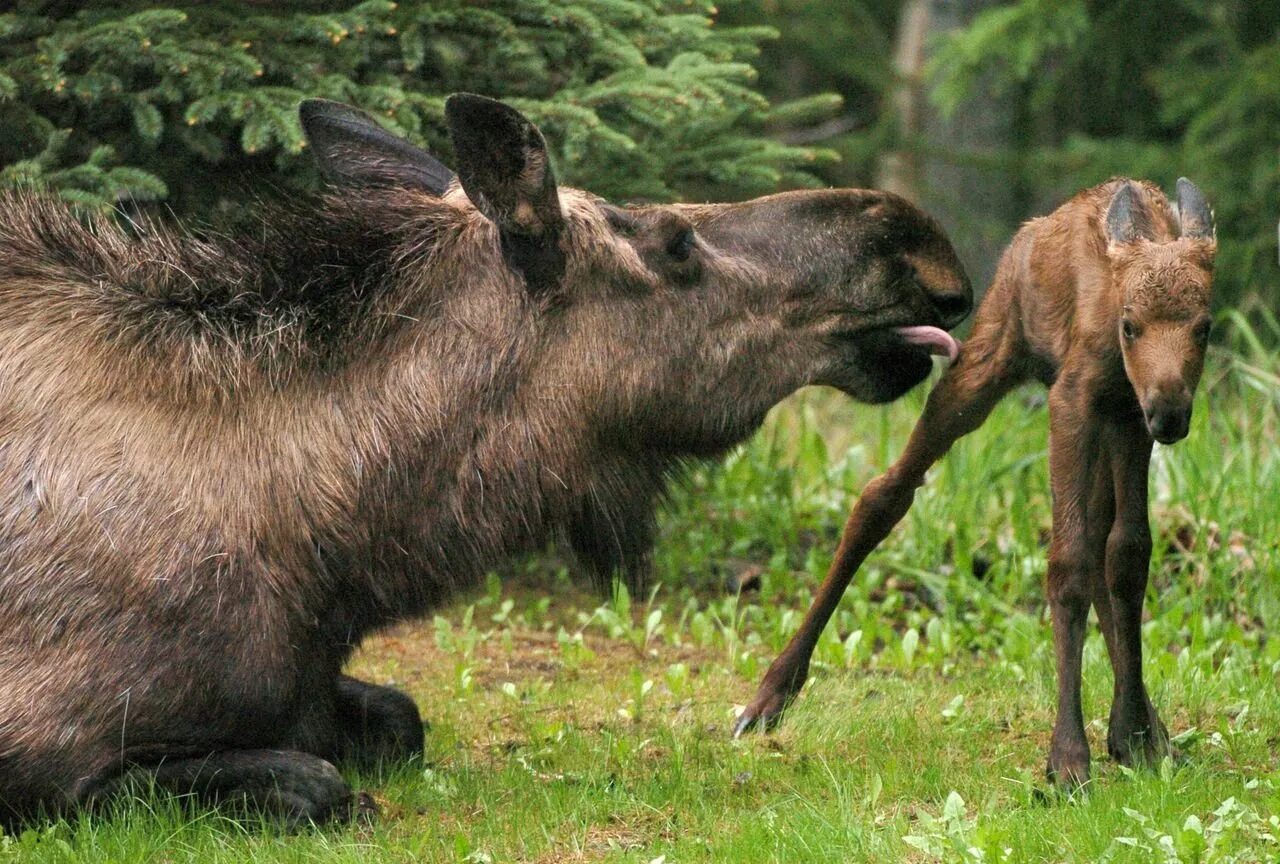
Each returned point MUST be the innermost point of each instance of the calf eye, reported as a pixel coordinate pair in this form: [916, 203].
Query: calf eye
[681, 246]
[1129, 329]
[1201, 333]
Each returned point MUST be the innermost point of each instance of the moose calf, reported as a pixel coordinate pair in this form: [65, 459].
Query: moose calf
[224, 460]
[1105, 301]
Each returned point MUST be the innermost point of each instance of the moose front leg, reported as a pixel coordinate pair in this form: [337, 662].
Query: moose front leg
[377, 726]
[351, 723]
[364, 725]
[1135, 732]
[294, 787]
[1072, 463]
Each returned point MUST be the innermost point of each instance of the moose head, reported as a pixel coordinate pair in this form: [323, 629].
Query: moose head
[1166, 282]
[679, 325]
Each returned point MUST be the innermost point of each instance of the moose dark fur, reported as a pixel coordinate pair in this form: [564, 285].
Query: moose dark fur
[225, 459]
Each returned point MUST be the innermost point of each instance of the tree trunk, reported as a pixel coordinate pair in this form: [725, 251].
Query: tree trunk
[959, 168]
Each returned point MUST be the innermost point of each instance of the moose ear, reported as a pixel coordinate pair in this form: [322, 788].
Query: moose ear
[1127, 218]
[1195, 217]
[353, 150]
[503, 165]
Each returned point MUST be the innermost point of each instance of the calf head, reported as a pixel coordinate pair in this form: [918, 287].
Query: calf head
[677, 326]
[1166, 285]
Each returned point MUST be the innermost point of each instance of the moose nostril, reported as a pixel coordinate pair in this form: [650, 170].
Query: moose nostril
[952, 307]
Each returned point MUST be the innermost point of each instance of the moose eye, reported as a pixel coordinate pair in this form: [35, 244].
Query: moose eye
[1129, 329]
[620, 220]
[681, 246]
[1202, 330]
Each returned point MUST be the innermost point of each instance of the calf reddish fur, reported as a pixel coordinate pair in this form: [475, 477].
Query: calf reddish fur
[1106, 302]
[225, 459]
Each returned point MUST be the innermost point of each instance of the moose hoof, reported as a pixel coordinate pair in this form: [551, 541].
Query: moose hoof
[364, 810]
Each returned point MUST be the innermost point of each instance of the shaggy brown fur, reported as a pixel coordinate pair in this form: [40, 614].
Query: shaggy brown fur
[1105, 301]
[224, 460]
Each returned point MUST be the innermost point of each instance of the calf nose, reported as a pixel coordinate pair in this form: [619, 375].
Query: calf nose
[1168, 424]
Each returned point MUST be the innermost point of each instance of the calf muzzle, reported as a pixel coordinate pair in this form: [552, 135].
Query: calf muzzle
[1168, 421]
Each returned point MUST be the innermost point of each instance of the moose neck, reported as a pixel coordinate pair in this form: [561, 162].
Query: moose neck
[365, 400]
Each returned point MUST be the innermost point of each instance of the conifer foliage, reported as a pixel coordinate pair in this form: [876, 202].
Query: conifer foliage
[196, 103]
[1153, 90]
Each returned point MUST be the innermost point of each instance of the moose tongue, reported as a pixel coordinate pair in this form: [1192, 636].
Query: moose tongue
[937, 340]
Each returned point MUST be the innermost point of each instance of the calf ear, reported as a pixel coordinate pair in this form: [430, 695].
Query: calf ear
[353, 150]
[1128, 219]
[503, 165]
[1195, 217]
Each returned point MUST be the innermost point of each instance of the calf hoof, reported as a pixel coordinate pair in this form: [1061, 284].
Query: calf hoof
[380, 726]
[780, 685]
[1068, 768]
[1136, 744]
[763, 714]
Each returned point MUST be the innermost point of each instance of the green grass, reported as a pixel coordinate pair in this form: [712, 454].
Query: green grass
[564, 729]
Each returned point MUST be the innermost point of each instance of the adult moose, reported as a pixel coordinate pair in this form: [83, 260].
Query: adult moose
[1105, 301]
[223, 461]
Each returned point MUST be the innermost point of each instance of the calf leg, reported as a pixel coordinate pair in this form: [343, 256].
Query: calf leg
[1102, 508]
[963, 398]
[377, 726]
[1135, 732]
[1072, 469]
